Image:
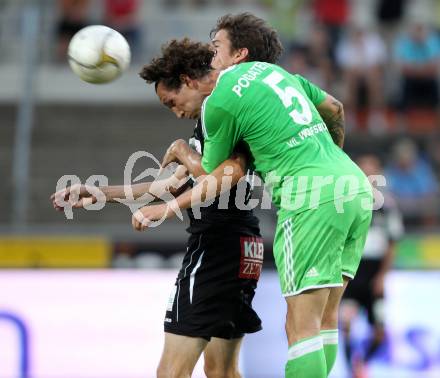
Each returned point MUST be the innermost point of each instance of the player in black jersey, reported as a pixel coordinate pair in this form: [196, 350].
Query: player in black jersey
[366, 290]
[212, 298]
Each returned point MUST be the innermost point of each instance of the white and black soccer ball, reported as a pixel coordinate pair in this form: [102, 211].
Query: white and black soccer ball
[98, 54]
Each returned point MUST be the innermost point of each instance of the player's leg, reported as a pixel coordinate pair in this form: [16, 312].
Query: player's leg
[306, 356]
[349, 310]
[350, 261]
[310, 266]
[237, 281]
[358, 296]
[374, 307]
[352, 302]
[377, 341]
[305, 246]
[221, 358]
[180, 355]
[184, 341]
[329, 325]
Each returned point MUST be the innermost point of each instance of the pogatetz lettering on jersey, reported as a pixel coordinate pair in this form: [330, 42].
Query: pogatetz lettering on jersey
[244, 81]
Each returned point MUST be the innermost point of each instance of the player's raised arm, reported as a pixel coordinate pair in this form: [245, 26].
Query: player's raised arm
[180, 152]
[329, 108]
[235, 168]
[80, 196]
[332, 112]
[221, 135]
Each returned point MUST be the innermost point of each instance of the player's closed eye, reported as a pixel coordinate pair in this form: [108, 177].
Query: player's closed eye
[170, 104]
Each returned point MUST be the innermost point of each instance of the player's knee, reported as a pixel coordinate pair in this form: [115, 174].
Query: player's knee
[161, 371]
[219, 373]
[301, 327]
[214, 370]
[169, 370]
[330, 320]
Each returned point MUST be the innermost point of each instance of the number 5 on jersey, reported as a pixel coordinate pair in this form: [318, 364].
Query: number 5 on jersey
[301, 117]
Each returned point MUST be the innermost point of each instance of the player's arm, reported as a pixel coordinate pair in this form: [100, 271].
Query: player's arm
[385, 266]
[235, 167]
[394, 227]
[332, 113]
[180, 152]
[208, 187]
[221, 136]
[79, 196]
[330, 109]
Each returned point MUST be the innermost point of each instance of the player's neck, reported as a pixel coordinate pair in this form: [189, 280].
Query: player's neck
[208, 83]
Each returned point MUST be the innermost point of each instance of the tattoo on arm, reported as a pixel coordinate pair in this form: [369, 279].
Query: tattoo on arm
[334, 119]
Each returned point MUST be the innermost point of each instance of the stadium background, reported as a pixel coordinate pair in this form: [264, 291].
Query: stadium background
[86, 297]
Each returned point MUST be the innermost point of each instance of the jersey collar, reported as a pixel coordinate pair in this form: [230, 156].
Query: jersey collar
[223, 72]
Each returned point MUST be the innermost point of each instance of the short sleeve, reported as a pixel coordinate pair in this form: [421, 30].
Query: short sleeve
[221, 136]
[393, 219]
[395, 225]
[313, 92]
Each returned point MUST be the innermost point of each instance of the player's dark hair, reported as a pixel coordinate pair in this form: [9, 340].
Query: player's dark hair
[179, 57]
[248, 31]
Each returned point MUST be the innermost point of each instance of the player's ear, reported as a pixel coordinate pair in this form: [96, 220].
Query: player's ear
[185, 79]
[190, 83]
[241, 55]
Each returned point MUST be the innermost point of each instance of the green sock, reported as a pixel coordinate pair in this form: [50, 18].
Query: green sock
[330, 341]
[306, 359]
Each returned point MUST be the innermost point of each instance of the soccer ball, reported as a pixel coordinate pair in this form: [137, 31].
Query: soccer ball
[98, 54]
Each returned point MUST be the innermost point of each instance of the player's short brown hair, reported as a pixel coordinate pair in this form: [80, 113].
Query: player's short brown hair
[246, 30]
[179, 57]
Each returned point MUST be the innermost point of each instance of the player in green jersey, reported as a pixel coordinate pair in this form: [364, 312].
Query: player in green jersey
[295, 133]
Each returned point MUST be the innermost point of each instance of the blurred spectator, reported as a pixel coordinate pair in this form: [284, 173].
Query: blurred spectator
[366, 290]
[361, 56]
[149, 260]
[417, 53]
[389, 14]
[123, 255]
[333, 15]
[437, 16]
[433, 149]
[313, 60]
[73, 17]
[412, 181]
[122, 15]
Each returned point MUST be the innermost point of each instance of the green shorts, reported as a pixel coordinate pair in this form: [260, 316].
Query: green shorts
[315, 248]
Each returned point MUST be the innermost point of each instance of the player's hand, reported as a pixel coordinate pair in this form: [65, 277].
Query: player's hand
[378, 285]
[145, 216]
[76, 196]
[173, 151]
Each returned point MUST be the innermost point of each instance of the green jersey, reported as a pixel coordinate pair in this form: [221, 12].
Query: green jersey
[275, 113]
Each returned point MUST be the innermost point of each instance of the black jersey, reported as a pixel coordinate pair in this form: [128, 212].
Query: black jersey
[386, 226]
[231, 216]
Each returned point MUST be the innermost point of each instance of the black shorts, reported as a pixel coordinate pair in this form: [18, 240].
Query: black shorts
[214, 289]
[360, 289]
